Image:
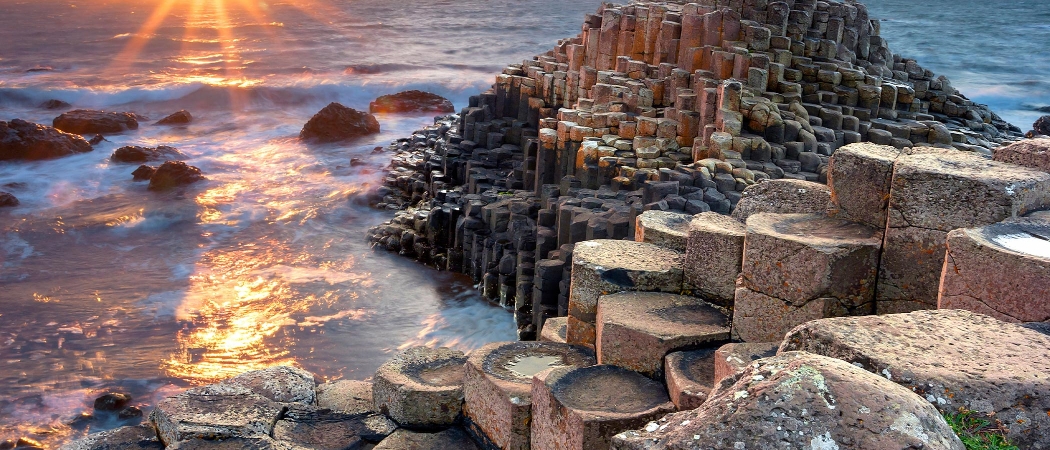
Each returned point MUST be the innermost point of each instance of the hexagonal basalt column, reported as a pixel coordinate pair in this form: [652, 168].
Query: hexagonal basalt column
[666, 229]
[217, 411]
[602, 267]
[690, 377]
[1002, 270]
[859, 176]
[575, 409]
[497, 387]
[636, 329]
[732, 359]
[554, 329]
[936, 191]
[452, 438]
[800, 267]
[713, 256]
[421, 387]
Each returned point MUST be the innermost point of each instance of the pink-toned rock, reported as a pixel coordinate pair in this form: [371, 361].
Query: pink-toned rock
[859, 176]
[452, 438]
[636, 329]
[784, 196]
[663, 228]
[1033, 153]
[411, 101]
[800, 267]
[952, 358]
[714, 253]
[690, 377]
[935, 191]
[731, 359]
[498, 387]
[800, 400]
[602, 267]
[1001, 270]
[582, 408]
[554, 329]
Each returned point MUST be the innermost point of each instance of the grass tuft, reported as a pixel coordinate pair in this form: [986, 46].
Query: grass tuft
[977, 432]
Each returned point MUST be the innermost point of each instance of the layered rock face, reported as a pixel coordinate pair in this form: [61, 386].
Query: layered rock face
[670, 107]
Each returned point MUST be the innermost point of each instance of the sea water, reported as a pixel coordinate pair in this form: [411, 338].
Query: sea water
[105, 286]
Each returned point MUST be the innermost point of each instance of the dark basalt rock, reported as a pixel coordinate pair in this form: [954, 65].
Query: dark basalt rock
[180, 118]
[137, 154]
[29, 141]
[55, 104]
[336, 123]
[1041, 126]
[85, 121]
[172, 174]
[143, 173]
[7, 200]
[112, 401]
[98, 139]
[411, 101]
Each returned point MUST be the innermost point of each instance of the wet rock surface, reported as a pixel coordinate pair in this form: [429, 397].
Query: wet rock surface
[497, 387]
[8, 200]
[323, 429]
[215, 412]
[138, 154]
[182, 117]
[113, 401]
[952, 358]
[173, 174]
[336, 122]
[800, 400]
[411, 101]
[143, 173]
[139, 437]
[281, 384]
[583, 408]
[21, 140]
[85, 121]
[346, 396]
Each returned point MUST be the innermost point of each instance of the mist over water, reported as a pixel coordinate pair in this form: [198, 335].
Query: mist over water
[107, 286]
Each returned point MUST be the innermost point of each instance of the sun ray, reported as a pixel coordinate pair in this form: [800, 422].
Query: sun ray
[126, 58]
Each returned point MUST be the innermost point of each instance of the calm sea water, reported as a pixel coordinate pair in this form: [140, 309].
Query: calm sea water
[106, 286]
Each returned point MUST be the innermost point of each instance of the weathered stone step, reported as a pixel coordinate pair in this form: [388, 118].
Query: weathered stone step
[690, 377]
[714, 254]
[554, 329]
[582, 408]
[637, 329]
[497, 387]
[421, 388]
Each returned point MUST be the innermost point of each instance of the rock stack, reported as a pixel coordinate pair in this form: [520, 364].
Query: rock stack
[665, 106]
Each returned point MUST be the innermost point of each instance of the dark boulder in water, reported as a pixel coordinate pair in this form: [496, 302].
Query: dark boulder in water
[137, 154]
[26, 140]
[86, 121]
[55, 104]
[112, 401]
[97, 139]
[180, 118]
[1041, 127]
[173, 174]
[337, 122]
[143, 173]
[411, 101]
[7, 200]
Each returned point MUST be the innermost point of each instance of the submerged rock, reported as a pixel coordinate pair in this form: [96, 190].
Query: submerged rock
[179, 118]
[7, 200]
[337, 122]
[137, 154]
[173, 174]
[800, 400]
[112, 401]
[411, 101]
[55, 104]
[29, 141]
[143, 173]
[86, 121]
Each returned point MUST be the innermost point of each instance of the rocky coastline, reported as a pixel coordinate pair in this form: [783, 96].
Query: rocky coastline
[718, 225]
